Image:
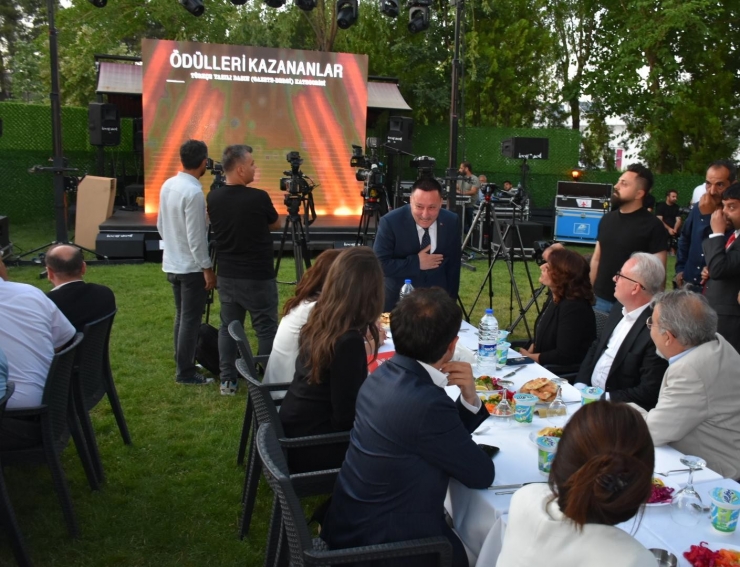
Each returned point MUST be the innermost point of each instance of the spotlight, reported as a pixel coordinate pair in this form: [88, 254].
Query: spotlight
[195, 7]
[419, 15]
[305, 5]
[576, 174]
[98, 3]
[347, 13]
[390, 8]
[275, 3]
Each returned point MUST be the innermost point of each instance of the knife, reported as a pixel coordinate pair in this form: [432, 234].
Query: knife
[512, 486]
[514, 372]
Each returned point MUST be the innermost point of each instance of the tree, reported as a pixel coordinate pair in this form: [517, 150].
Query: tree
[19, 21]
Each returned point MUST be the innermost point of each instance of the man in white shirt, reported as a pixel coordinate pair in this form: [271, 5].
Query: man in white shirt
[183, 227]
[723, 266]
[32, 329]
[623, 361]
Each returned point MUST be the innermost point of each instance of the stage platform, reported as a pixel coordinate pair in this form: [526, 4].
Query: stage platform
[133, 234]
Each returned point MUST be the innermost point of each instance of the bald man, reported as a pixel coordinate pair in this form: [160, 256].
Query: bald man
[80, 302]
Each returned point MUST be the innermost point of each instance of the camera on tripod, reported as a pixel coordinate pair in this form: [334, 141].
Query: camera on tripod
[370, 172]
[297, 185]
[217, 170]
[424, 166]
[488, 190]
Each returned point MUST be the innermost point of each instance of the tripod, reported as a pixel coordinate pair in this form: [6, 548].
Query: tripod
[501, 250]
[370, 213]
[298, 232]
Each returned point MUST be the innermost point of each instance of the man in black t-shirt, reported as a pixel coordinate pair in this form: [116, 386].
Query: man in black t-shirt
[669, 214]
[241, 219]
[628, 228]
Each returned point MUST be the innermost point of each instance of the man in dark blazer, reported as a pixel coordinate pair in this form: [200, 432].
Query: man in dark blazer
[622, 360]
[80, 302]
[723, 266]
[409, 437]
[421, 242]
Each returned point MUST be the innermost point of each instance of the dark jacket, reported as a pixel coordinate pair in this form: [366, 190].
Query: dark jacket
[397, 247]
[723, 286]
[409, 439]
[689, 254]
[564, 332]
[637, 371]
[83, 303]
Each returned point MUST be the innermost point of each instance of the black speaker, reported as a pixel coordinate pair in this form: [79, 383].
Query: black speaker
[400, 131]
[4, 232]
[104, 124]
[138, 124]
[526, 148]
[120, 245]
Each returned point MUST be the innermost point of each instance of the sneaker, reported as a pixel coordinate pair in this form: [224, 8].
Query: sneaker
[228, 388]
[196, 380]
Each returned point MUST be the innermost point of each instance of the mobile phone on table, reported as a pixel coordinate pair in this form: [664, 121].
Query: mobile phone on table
[489, 450]
[519, 360]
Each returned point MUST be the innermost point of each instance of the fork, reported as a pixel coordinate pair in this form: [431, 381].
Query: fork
[667, 473]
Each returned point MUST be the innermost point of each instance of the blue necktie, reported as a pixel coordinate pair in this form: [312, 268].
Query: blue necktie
[426, 240]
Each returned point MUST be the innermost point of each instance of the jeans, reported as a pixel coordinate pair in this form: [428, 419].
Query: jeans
[190, 301]
[237, 297]
[603, 305]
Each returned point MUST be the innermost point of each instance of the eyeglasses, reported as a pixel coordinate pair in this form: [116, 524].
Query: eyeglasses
[649, 322]
[621, 275]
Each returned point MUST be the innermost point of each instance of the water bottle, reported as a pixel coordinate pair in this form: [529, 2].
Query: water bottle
[487, 339]
[405, 290]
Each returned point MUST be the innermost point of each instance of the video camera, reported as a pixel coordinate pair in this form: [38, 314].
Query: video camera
[488, 190]
[424, 165]
[217, 170]
[298, 186]
[539, 247]
[370, 172]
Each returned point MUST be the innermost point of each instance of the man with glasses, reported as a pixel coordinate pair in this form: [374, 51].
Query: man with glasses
[623, 361]
[690, 255]
[697, 409]
[626, 229]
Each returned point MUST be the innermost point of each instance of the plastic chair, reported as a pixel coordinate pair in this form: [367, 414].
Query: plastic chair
[236, 331]
[303, 549]
[266, 412]
[7, 516]
[93, 380]
[56, 420]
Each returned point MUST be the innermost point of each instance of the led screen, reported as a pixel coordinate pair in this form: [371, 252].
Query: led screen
[275, 100]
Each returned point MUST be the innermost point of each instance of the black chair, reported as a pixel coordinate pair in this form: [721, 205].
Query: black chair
[57, 419]
[601, 318]
[7, 516]
[92, 381]
[303, 549]
[236, 330]
[266, 412]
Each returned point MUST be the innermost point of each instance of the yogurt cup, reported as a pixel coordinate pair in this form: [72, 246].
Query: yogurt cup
[590, 394]
[546, 448]
[724, 509]
[524, 407]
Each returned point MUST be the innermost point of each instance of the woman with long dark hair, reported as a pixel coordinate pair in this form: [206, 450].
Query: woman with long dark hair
[332, 361]
[601, 476]
[295, 314]
[567, 326]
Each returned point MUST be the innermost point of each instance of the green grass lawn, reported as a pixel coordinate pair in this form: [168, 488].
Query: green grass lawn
[173, 497]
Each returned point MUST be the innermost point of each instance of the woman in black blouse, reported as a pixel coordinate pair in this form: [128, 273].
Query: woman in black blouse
[567, 326]
[332, 362]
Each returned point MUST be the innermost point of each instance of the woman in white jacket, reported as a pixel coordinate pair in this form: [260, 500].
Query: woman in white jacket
[601, 476]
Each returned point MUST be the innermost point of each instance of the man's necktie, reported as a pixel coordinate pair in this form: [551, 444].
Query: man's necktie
[425, 239]
[727, 245]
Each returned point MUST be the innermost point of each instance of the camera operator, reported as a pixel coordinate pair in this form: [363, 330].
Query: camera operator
[241, 219]
[469, 186]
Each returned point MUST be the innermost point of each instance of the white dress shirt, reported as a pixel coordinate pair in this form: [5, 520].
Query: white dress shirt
[440, 379]
[182, 225]
[432, 235]
[604, 364]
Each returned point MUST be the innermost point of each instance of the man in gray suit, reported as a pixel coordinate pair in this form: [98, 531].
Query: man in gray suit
[697, 411]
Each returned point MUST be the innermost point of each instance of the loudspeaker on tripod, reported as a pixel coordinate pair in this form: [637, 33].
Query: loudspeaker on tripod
[400, 131]
[104, 124]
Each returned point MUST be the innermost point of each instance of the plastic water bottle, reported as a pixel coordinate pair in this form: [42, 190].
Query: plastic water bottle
[405, 290]
[487, 339]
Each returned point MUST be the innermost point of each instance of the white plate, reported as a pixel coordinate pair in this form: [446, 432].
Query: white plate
[670, 485]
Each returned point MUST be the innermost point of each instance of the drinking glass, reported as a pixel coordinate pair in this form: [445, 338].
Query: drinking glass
[686, 506]
[504, 412]
[557, 412]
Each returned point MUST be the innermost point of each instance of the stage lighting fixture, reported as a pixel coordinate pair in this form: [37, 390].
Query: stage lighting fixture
[390, 8]
[305, 5]
[98, 3]
[238, 2]
[347, 12]
[576, 174]
[195, 7]
[275, 3]
[419, 15]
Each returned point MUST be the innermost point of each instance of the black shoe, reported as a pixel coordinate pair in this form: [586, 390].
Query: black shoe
[195, 380]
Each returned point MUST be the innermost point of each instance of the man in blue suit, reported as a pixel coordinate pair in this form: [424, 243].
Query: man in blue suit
[409, 437]
[420, 242]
